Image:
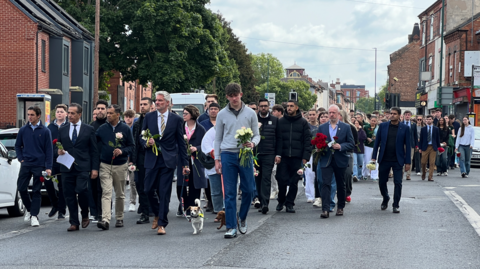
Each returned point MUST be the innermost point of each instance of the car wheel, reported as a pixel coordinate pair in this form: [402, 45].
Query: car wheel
[18, 209]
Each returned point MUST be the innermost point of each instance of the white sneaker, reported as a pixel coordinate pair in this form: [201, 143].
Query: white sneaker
[419, 174]
[26, 216]
[310, 201]
[439, 174]
[445, 174]
[318, 202]
[272, 196]
[131, 208]
[34, 221]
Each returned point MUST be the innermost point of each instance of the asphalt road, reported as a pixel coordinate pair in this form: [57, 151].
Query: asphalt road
[438, 227]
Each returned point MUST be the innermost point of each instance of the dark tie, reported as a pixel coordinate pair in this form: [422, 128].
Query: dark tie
[74, 135]
[429, 136]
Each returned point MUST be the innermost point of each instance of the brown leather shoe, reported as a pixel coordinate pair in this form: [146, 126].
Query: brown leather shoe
[408, 178]
[161, 230]
[155, 223]
[430, 179]
[339, 212]
[73, 228]
[325, 215]
[85, 223]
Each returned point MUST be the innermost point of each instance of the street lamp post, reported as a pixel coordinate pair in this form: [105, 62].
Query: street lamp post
[375, 89]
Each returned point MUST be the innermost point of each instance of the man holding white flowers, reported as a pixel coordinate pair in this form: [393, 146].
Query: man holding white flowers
[227, 160]
[113, 164]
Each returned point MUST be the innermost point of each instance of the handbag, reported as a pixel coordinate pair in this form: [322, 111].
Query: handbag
[206, 160]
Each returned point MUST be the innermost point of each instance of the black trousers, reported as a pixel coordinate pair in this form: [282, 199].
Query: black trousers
[287, 176]
[264, 179]
[76, 183]
[56, 197]
[327, 174]
[26, 173]
[190, 195]
[349, 176]
[383, 171]
[95, 197]
[144, 203]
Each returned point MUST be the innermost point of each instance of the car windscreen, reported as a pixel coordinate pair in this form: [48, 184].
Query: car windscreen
[8, 140]
[178, 108]
[477, 133]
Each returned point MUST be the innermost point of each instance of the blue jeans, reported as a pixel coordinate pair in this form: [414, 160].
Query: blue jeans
[442, 162]
[231, 168]
[320, 182]
[217, 192]
[357, 165]
[465, 158]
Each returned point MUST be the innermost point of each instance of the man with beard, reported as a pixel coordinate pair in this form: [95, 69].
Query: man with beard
[138, 159]
[209, 99]
[296, 150]
[95, 188]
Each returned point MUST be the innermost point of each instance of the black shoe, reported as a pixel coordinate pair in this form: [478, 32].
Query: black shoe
[143, 219]
[103, 225]
[53, 212]
[463, 174]
[396, 210]
[325, 215]
[264, 209]
[279, 207]
[290, 209]
[385, 204]
[209, 207]
[119, 224]
[60, 216]
[179, 211]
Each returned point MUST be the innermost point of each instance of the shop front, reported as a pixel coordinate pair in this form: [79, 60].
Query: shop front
[461, 100]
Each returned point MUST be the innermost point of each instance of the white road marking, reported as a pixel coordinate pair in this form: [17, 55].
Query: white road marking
[450, 188]
[469, 185]
[470, 214]
[43, 224]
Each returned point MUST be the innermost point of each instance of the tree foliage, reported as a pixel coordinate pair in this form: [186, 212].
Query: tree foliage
[381, 95]
[365, 104]
[266, 65]
[306, 99]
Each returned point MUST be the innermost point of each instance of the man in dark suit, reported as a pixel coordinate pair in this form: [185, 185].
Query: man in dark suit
[159, 169]
[78, 139]
[456, 127]
[336, 158]
[413, 137]
[393, 138]
[429, 144]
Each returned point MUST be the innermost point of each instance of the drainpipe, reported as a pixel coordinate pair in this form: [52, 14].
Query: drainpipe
[441, 54]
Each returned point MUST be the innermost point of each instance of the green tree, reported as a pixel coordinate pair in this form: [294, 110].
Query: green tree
[381, 95]
[266, 65]
[306, 99]
[365, 104]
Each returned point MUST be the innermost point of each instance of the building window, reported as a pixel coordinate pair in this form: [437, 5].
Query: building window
[358, 94]
[431, 27]
[66, 60]
[455, 71]
[423, 32]
[348, 93]
[85, 60]
[44, 56]
[295, 74]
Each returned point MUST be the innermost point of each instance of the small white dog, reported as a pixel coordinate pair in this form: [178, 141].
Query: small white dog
[196, 216]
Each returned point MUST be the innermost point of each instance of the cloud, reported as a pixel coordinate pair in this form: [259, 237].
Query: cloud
[328, 23]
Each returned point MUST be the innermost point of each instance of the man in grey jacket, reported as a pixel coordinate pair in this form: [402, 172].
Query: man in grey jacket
[233, 117]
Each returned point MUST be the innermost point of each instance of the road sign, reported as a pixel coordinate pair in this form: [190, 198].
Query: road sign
[271, 98]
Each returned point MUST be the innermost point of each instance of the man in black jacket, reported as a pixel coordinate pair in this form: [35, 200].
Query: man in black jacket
[413, 137]
[267, 149]
[295, 153]
[117, 144]
[95, 188]
[138, 160]
[78, 139]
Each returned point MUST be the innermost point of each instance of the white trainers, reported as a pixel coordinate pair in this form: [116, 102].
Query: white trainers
[318, 202]
[310, 201]
[131, 208]
[445, 174]
[418, 174]
[26, 216]
[34, 221]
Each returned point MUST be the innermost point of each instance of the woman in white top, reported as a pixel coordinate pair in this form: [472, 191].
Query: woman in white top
[215, 179]
[464, 145]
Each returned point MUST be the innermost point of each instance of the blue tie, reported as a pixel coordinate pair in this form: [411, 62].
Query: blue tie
[74, 135]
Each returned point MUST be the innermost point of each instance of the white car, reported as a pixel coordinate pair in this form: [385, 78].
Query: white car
[9, 169]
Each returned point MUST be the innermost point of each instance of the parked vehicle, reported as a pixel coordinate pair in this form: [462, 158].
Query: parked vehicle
[9, 169]
[476, 148]
[180, 100]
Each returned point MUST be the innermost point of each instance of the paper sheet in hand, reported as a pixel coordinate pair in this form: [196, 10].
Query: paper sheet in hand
[66, 159]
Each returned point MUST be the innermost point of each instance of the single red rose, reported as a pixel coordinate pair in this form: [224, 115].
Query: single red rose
[212, 154]
[458, 154]
[441, 150]
[42, 179]
[113, 158]
[335, 138]
[416, 147]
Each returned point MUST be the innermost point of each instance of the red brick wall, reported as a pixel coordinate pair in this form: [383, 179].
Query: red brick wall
[17, 58]
[140, 93]
[43, 77]
[114, 82]
[404, 67]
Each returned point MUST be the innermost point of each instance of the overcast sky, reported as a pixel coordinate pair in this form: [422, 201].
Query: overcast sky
[313, 27]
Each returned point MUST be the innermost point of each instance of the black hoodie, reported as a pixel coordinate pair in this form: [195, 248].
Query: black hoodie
[295, 136]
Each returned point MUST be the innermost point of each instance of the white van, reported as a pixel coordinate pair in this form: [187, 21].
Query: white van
[180, 100]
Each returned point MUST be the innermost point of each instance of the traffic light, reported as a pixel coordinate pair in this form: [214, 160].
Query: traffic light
[293, 96]
[388, 101]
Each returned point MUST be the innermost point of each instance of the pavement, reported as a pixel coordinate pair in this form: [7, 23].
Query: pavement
[438, 227]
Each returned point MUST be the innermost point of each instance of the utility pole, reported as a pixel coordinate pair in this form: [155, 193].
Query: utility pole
[441, 54]
[375, 89]
[96, 75]
[268, 70]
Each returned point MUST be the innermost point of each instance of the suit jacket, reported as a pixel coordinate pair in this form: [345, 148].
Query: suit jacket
[198, 172]
[171, 143]
[84, 151]
[402, 149]
[345, 139]
[413, 134]
[424, 136]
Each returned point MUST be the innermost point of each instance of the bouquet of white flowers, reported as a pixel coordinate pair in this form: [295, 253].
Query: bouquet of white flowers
[371, 166]
[146, 135]
[244, 135]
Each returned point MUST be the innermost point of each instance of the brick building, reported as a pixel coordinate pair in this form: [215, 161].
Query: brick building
[403, 70]
[127, 94]
[43, 48]
[296, 72]
[354, 92]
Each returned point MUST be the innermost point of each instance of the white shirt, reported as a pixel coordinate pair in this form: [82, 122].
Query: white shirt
[207, 147]
[468, 138]
[70, 133]
[159, 120]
